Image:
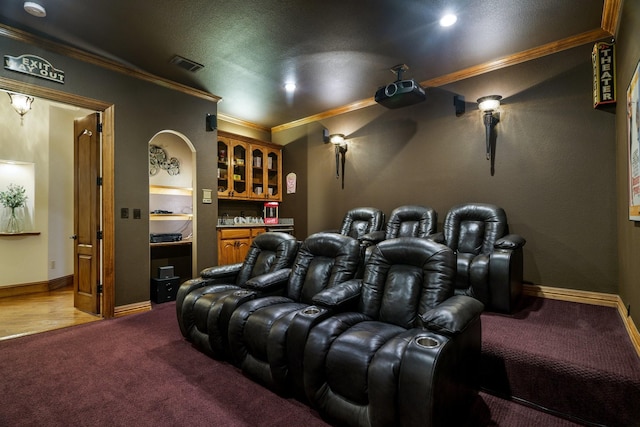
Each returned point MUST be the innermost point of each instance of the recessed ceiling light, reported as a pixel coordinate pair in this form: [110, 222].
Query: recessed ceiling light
[290, 87]
[35, 9]
[448, 20]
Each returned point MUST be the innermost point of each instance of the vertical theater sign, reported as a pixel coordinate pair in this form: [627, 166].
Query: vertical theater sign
[604, 76]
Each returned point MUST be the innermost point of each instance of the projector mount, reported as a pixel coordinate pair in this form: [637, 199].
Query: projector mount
[398, 70]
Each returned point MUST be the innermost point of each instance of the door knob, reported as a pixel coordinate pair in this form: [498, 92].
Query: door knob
[74, 237]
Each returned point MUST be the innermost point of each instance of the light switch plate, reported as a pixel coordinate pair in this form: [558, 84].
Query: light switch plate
[206, 195]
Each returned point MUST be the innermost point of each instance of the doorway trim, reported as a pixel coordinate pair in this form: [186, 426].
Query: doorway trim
[108, 178]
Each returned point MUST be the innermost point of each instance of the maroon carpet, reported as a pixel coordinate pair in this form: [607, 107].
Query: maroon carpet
[574, 359]
[138, 370]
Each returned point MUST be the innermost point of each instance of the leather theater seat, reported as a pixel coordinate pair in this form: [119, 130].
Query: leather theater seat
[406, 221]
[489, 259]
[360, 221]
[258, 329]
[408, 353]
[199, 301]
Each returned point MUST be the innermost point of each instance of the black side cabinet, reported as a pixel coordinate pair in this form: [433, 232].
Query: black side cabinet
[163, 290]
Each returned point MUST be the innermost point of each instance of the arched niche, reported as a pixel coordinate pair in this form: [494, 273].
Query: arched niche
[172, 204]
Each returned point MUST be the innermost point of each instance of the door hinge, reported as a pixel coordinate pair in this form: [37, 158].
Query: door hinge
[99, 180]
[99, 288]
[99, 128]
[100, 235]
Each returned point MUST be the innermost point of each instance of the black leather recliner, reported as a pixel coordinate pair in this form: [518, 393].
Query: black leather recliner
[258, 329]
[489, 259]
[408, 355]
[407, 221]
[360, 221]
[199, 301]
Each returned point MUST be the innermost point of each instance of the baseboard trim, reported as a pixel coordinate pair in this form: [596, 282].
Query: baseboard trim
[138, 307]
[588, 297]
[36, 287]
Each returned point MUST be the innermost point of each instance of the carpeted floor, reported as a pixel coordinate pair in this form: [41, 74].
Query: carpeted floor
[574, 359]
[138, 370]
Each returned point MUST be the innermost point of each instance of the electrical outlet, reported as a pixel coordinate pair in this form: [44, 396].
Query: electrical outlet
[124, 213]
[52, 265]
[137, 214]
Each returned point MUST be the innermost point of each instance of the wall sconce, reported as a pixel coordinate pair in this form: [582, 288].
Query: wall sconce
[21, 103]
[338, 140]
[488, 105]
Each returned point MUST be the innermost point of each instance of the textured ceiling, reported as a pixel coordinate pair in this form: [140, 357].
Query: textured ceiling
[338, 52]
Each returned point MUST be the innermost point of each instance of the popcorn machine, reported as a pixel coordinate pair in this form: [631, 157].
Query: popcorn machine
[270, 212]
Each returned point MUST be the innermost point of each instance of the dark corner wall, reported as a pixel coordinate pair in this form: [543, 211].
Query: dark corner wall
[555, 167]
[628, 232]
[142, 109]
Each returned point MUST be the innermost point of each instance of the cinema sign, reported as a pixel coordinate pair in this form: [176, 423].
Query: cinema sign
[604, 75]
[34, 66]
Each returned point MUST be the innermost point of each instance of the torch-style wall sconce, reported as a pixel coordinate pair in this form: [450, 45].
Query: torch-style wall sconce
[488, 105]
[340, 144]
[21, 103]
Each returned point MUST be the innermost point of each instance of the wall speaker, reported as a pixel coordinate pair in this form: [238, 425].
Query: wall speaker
[211, 122]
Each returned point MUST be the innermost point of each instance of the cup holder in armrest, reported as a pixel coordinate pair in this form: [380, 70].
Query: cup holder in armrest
[427, 342]
[311, 311]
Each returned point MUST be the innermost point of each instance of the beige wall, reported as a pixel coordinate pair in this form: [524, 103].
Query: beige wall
[44, 138]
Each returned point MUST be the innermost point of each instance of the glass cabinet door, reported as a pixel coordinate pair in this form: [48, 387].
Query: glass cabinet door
[274, 186]
[239, 161]
[223, 167]
[258, 184]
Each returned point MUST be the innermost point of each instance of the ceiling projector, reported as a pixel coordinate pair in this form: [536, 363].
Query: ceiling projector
[400, 93]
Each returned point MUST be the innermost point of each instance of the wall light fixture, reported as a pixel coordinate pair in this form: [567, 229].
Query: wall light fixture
[21, 103]
[340, 144]
[489, 105]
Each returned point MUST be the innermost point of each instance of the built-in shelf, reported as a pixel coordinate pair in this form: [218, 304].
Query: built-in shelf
[23, 233]
[170, 217]
[178, 243]
[168, 190]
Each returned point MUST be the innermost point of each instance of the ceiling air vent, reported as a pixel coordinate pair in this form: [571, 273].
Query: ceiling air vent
[185, 63]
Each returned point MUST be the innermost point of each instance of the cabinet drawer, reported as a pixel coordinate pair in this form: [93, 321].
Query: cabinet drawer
[235, 233]
[256, 231]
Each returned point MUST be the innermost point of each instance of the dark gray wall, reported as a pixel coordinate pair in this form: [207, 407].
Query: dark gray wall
[628, 55]
[141, 110]
[554, 169]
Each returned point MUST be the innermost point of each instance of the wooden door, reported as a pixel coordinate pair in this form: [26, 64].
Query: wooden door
[86, 251]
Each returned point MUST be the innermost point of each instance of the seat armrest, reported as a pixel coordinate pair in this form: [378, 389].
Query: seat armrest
[297, 334]
[437, 237]
[453, 315]
[372, 238]
[269, 282]
[340, 296]
[221, 271]
[510, 241]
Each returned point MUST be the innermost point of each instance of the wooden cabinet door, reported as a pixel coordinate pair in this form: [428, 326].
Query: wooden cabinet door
[226, 252]
[258, 186]
[273, 174]
[242, 249]
[240, 178]
[225, 171]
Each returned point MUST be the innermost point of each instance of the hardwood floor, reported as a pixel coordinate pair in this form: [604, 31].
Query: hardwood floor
[34, 313]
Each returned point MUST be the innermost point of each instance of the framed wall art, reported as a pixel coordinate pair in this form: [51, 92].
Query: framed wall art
[633, 131]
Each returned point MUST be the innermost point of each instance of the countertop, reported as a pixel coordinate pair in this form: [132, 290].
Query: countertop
[284, 223]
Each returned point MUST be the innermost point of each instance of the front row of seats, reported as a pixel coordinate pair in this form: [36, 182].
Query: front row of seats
[395, 347]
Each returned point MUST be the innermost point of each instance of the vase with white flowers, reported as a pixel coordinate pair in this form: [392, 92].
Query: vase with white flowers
[14, 197]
